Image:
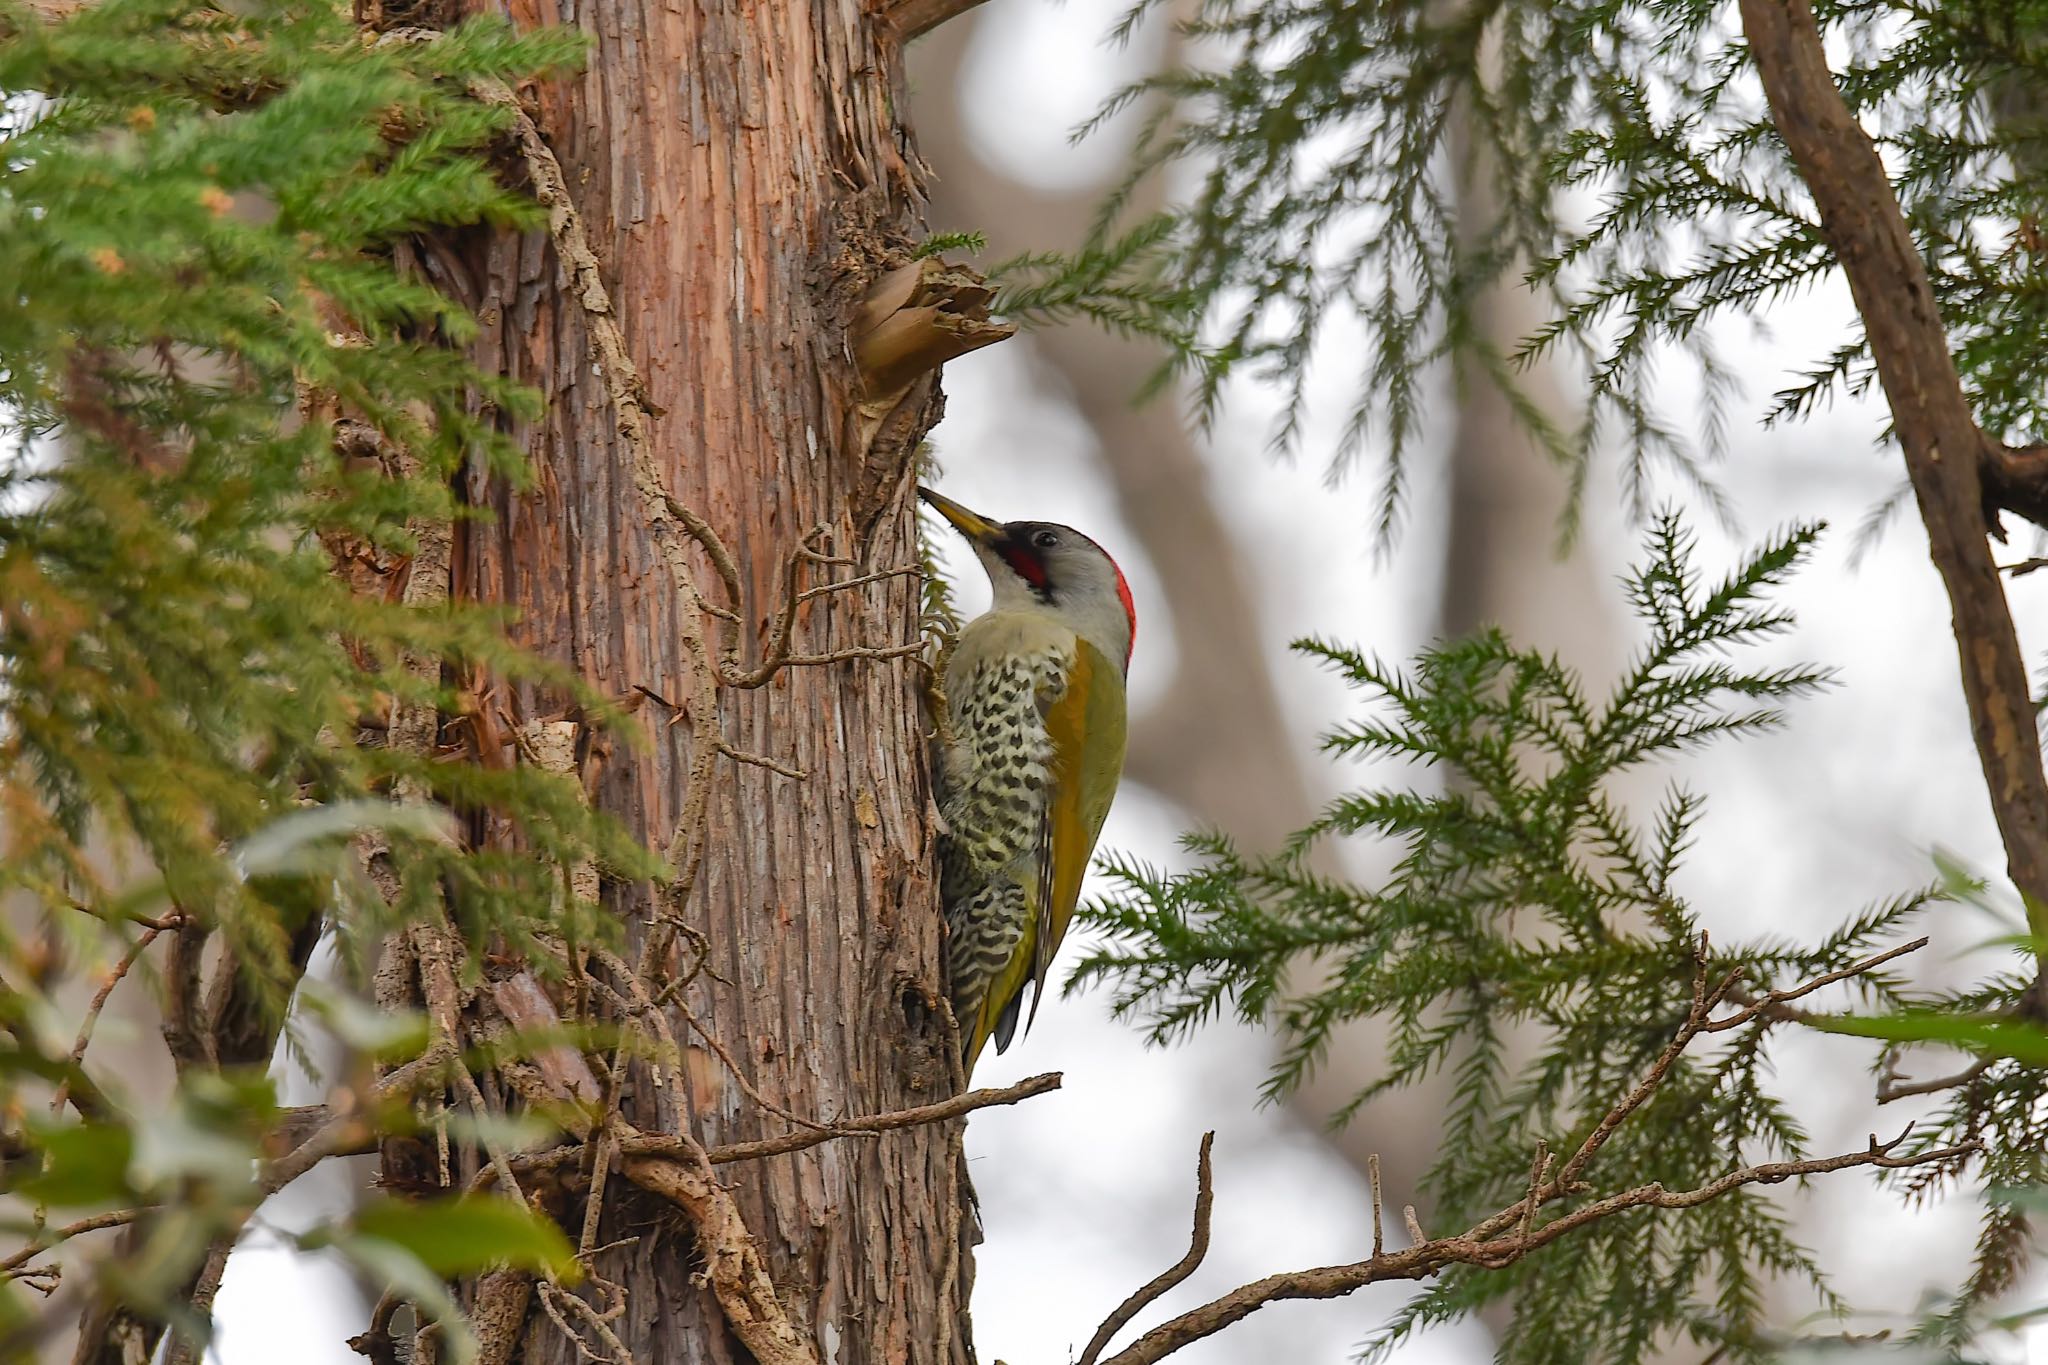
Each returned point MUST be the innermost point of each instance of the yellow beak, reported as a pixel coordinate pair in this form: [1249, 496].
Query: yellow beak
[973, 525]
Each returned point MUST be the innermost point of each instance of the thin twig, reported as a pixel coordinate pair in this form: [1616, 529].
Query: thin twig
[869, 1124]
[92, 1011]
[47, 1238]
[1426, 1258]
[655, 1144]
[721, 557]
[840, 656]
[1198, 1247]
[553, 1298]
[843, 584]
[762, 761]
[778, 656]
[346, 1130]
[1539, 1167]
[1703, 1002]
[644, 1006]
[128, 916]
[1899, 1089]
[1372, 1171]
[1772, 1005]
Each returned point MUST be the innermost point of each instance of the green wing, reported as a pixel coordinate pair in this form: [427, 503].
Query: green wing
[1086, 725]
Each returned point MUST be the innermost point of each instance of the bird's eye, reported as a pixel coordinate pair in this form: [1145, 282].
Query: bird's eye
[1045, 540]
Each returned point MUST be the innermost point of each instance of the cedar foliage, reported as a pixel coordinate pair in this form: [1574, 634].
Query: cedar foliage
[1635, 184]
[1532, 944]
[200, 213]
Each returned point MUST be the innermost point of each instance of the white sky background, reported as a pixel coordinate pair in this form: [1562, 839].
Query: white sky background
[1086, 1192]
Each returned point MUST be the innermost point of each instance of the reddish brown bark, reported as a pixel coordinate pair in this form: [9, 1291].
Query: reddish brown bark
[742, 179]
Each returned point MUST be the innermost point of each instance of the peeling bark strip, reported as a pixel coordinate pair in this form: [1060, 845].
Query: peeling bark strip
[1944, 447]
[736, 181]
[918, 317]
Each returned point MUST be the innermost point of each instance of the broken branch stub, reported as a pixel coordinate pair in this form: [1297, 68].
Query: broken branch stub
[916, 318]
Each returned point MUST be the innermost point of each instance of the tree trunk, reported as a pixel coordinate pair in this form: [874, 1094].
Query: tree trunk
[742, 180]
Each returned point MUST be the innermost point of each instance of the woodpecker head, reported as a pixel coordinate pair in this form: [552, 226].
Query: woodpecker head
[1054, 570]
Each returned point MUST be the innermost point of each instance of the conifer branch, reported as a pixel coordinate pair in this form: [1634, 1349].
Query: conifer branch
[1484, 1246]
[1946, 452]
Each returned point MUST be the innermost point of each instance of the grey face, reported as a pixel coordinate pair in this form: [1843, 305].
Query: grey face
[1063, 570]
[1057, 563]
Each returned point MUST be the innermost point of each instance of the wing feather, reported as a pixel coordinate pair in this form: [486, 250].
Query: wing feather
[1085, 723]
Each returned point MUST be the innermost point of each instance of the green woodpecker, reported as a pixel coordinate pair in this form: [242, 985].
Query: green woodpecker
[1035, 745]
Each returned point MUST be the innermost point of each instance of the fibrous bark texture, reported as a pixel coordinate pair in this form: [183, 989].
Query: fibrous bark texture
[741, 179]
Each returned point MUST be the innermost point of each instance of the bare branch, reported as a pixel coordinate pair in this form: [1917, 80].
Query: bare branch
[778, 655]
[182, 992]
[1703, 1002]
[97, 1004]
[881, 576]
[498, 1314]
[553, 1299]
[1507, 1236]
[1473, 1248]
[345, 1130]
[2016, 480]
[1372, 1172]
[1891, 1087]
[1539, 1169]
[655, 1144]
[836, 656]
[867, 1125]
[1198, 1247]
[47, 1238]
[1772, 1006]
[732, 1259]
[762, 761]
